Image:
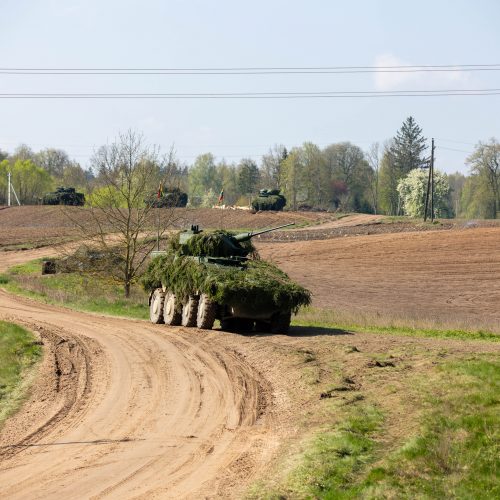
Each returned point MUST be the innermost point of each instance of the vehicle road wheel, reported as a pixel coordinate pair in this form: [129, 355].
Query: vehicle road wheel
[280, 322]
[156, 306]
[206, 313]
[171, 315]
[189, 311]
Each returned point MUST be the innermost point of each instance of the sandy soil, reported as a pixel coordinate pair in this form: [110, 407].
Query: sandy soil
[126, 409]
[451, 277]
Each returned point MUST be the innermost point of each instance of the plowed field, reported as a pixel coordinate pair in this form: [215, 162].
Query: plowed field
[450, 278]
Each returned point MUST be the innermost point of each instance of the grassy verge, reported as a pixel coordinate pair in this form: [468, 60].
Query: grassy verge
[78, 291]
[18, 353]
[324, 318]
[455, 452]
[102, 295]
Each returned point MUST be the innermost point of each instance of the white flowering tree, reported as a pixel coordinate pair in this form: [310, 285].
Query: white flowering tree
[412, 190]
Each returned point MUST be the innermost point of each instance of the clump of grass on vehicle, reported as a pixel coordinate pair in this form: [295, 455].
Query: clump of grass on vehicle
[18, 353]
[257, 281]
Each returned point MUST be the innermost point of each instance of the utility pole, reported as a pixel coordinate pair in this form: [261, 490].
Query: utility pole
[10, 188]
[432, 180]
[430, 186]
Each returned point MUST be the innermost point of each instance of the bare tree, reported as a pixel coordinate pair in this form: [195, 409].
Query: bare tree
[122, 222]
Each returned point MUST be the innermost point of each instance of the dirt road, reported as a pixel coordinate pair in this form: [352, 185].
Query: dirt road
[127, 409]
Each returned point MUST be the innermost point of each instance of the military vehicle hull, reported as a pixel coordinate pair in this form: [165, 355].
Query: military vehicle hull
[207, 277]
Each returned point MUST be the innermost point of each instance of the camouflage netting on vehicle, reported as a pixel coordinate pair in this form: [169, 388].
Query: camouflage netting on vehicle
[269, 199]
[214, 244]
[255, 281]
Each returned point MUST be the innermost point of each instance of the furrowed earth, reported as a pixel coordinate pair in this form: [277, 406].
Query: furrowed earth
[123, 408]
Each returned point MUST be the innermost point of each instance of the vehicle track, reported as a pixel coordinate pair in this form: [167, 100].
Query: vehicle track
[127, 409]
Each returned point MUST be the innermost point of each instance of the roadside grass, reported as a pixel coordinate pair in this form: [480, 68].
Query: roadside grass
[103, 295]
[457, 452]
[18, 354]
[78, 291]
[453, 453]
[327, 318]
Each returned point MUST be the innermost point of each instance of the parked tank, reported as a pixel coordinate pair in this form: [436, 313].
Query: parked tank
[205, 276]
[64, 196]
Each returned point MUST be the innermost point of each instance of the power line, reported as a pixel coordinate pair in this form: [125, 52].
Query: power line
[253, 70]
[257, 95]
[452, 149]
[457, 142]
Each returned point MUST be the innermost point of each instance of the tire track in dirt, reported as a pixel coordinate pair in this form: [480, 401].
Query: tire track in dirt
[145, 411]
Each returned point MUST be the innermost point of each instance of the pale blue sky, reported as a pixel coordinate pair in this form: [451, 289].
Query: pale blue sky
[148, 33]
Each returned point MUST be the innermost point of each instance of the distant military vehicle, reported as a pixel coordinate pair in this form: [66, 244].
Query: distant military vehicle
[205, 276]
[64, 196]
[269, 199]
[171, 198]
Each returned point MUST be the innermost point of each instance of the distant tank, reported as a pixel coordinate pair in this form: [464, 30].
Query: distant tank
[64, 196]
[169, 199]
[269, 199]
[205, 276]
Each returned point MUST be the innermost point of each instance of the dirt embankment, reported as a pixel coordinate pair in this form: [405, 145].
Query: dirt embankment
[449, 277]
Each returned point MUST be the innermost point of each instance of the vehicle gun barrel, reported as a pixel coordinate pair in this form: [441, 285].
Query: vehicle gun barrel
[251, 234]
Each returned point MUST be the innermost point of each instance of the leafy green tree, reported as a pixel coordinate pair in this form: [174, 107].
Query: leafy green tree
[389, 178]
[456, 181]
[292, 172]
[413, 187]
[408, 147]
[404, 154]
[228, 175]
[476, 200]
[313, 175]
[54, 161]
[485, 162]
[74, 176]
[374, 159]
[271, 166]
[30, 181]
[203, 177]
[346, 166]
[248, 176]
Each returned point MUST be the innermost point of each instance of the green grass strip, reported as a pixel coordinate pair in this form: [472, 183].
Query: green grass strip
[18, 353]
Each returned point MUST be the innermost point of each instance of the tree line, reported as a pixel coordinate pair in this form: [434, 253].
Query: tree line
[388, 178]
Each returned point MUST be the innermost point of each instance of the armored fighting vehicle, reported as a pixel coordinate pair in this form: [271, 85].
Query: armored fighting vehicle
[204, 276]
[269, 199]
[64, 196]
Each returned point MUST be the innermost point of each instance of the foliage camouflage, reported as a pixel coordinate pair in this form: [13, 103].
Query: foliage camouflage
[218, 243]
[269, 199]
[64, 196]
[250, 281]
[171, 198]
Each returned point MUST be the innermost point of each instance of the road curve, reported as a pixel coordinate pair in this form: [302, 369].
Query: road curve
[126, 409]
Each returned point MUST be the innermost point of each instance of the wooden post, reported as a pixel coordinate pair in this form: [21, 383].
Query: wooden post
[430, 186]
